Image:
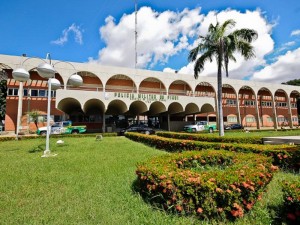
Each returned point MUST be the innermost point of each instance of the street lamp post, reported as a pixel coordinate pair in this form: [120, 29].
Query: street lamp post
[45, 70]
[21, 75]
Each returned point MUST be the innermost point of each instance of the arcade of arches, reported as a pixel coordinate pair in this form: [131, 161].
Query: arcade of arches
[111, 98]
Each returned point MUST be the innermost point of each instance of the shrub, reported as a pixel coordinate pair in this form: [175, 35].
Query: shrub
[211, 138]
[283, 155]
[291, 197]
[207, 184]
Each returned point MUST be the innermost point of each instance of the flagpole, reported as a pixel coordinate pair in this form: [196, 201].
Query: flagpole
[135, 34]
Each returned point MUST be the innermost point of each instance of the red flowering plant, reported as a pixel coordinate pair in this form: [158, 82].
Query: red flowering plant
[207, 184]
[291, 197]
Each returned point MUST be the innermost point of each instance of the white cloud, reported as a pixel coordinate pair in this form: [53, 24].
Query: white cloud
[286, 46]
[160, 36]
[286, 68]
[295, 33]
[163, 35]
[263, 45]
[65, 35]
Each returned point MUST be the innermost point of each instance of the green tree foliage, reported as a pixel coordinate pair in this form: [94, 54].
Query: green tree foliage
[34, 114]
[295, 82]
[3, 93]
[220, 43]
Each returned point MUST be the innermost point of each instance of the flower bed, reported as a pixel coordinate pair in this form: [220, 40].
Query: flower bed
[291, 196]
[283, 155]
[207, 184]
[211, 138]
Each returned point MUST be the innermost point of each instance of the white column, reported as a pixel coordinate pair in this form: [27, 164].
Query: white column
[20, 109]
[257, 113]
[290, 119]
[274, 113]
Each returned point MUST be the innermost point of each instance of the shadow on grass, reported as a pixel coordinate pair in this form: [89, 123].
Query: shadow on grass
[38, 148]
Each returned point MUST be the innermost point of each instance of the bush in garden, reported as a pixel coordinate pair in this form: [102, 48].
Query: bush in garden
[291, 197]
[206, 184]
[283, 155]
[211, 138]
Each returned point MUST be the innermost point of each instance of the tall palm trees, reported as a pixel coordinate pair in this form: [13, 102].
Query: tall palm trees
[220, 44]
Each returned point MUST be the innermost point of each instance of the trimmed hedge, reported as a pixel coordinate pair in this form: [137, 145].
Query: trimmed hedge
[291, 197]
[206, 184]
[210, 138]
[25, 137]
[283, 155]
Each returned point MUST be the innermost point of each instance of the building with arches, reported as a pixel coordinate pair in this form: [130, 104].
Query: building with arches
[113, 96]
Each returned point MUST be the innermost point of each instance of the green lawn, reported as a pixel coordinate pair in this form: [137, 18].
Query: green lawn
[90, 182]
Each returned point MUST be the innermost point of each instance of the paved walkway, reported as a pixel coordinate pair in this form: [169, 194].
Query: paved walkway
[282, 140]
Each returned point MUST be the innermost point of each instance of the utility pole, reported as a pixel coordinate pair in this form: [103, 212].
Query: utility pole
[135, 35]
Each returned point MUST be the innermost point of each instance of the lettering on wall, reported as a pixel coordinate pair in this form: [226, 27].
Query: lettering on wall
[146, 97]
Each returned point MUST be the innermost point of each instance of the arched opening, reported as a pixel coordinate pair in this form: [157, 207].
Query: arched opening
[94, 111]
[247, 106]
[115, 115]
[205, 89]
[120, 83]
[281, 107]
[73, 111]
[90, 82]
[180, 87]
[152, 85]
[265, 107]
[295, 107]
[229, 104]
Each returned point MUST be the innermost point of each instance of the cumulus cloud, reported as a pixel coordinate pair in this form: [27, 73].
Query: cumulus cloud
[160, 36]
[295, 33]
[76, 30]
[263, 45]
[284, 69]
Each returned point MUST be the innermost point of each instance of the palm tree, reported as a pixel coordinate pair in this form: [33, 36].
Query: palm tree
[220, 44]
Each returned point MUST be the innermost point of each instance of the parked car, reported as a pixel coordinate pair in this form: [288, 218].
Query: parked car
[234, 126]
[140, 128]
[200, 126]
[64, 127]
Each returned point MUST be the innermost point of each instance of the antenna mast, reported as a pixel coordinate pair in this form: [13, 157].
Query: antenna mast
[135, 34]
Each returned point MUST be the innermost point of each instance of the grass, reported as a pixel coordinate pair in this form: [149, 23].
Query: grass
[90, 182]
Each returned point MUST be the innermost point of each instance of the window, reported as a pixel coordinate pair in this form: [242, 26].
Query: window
[230, 102]
[293, 105]
[42, 93]
[267, 104]
[281, 104]
[249, 102]
[34, 93]
[295, 119]
[280, 119]
[269, 119]
[53, 94]
[250, 119]
[12, 91]
[232, 119]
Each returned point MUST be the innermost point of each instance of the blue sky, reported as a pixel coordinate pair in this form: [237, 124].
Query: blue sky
[102, 32]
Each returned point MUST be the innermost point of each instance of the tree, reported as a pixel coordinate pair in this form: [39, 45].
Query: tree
[220, 44]
[34, 114]
[295, 82]
[3, 91]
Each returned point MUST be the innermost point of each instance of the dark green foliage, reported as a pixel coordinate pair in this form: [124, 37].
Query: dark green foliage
[3, 93]
[291, 197]
[295, 82]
